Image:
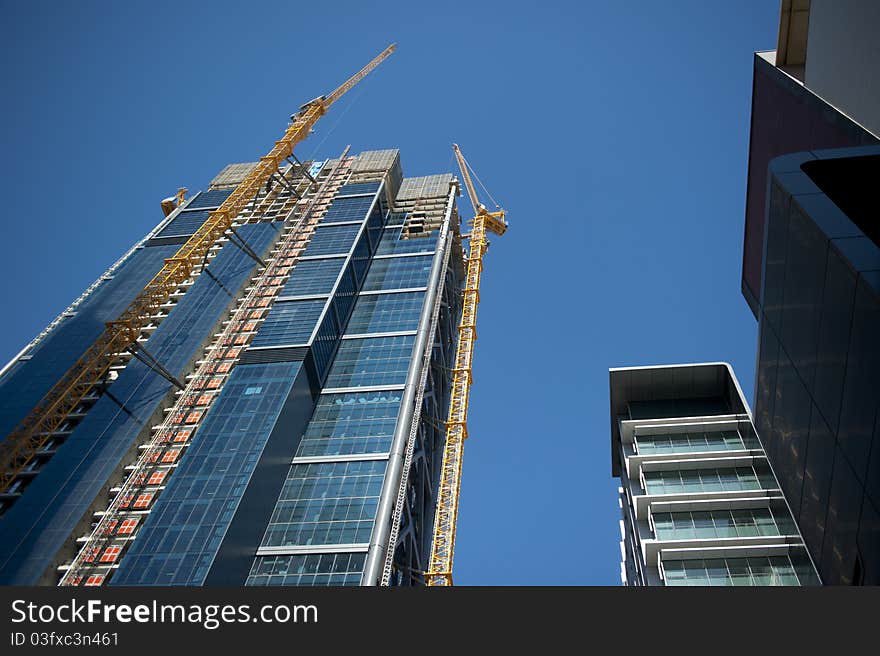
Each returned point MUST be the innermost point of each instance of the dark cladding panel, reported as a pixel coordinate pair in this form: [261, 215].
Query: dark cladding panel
[837, 308]
[765, 387]
[777, 246]
[869, 543]
[820, 321]
[786, 118]
[817, 485]
[788, 437]
[802, 298]
[839, 549]
[861, 387]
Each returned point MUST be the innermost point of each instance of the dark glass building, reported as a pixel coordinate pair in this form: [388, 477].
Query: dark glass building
[817, 90]
[284, 422]
[811, 274]
[817, 401]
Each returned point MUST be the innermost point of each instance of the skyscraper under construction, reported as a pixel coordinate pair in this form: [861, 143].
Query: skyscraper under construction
[275, 416]
[251, 440]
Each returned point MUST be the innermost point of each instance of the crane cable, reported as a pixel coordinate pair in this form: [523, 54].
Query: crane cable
[354, 98]
[474, 173]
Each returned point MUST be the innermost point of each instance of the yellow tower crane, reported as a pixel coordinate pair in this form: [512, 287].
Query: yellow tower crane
[440, 566]
[50, 413]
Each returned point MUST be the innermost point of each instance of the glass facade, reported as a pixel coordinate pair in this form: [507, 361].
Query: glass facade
[183, 532]
[353, 209]
[377, 313]
[331, 492]
[210, 198]
[351, 423]
[332, 240]
[184, 224]
[392, 244]
[327, 503]
[723, 479]
[278, 479]
[817, 391]
[372, 361]
[319, 502]
[693, 510]
[313, 277]
[709, 524]
[754, 571]
[399, 273]
[289, 322]
[329, 569]
[695, 442]
[38, 524]
[358, 188]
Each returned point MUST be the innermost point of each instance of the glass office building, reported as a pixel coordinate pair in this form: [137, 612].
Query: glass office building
[811, 275]
[699, 502]
[302, 444]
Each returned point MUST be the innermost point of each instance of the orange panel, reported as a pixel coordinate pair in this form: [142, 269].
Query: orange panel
[170, 456]
[127, 527]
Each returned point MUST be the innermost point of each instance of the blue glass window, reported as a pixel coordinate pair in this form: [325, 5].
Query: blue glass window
[351, 423]
[327, 503]
[289, 322]
[398, 273]
[333, 569]
[392, 244]
[313, 277]
[325, 342]
[724, 523]
[752, 571]
[181, 535]
[212, 198]
[729, 440]
[708, 480]
[371, 361]
[332, 240]
[360, 259]
[376, 313]
[348, 209]
[185, 224]
[358, 188]
[375, 225]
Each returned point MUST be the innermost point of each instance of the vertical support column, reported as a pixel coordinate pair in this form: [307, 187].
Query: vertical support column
[390, 485]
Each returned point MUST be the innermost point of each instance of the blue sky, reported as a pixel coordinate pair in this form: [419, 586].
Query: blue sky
[615, 135]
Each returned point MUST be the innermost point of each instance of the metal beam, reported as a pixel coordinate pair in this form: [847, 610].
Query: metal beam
[379, 539]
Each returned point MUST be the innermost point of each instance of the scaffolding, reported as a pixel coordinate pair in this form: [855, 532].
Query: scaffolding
[116, 527]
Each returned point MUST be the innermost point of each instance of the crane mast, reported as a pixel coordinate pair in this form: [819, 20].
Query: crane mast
[443, 546]
[23, 443]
